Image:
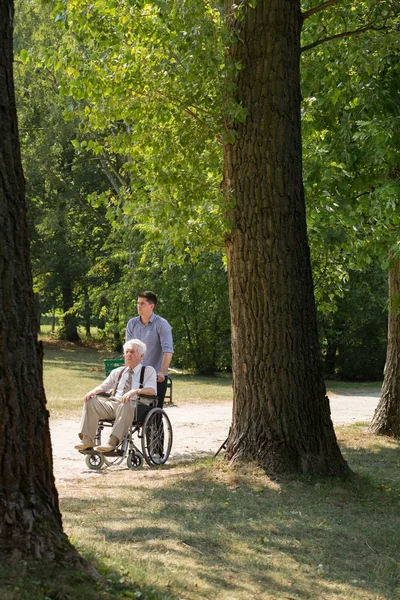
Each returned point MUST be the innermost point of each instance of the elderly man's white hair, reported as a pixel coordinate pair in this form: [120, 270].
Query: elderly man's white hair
[141, 345]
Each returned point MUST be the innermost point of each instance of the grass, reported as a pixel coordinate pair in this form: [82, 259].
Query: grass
[206, 531]
[353, 388]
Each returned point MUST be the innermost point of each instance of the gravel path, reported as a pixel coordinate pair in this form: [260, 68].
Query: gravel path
[198, 429]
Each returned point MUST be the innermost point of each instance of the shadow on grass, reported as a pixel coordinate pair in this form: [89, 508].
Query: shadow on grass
[245, 534]
[43, 580]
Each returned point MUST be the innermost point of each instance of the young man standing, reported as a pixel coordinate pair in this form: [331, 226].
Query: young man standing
[156, 333]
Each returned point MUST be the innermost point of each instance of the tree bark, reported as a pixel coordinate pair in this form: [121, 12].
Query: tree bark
[330, 359]
[69, 319]
[281, 415]
[30, 520]
[87, 314]
[386, 420]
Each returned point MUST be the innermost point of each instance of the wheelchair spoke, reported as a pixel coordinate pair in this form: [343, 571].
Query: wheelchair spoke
[156, 437]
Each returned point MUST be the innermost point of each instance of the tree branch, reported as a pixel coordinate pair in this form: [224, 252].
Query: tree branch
[344, 34]
[112, 174]
[317, 9]
[59, 180]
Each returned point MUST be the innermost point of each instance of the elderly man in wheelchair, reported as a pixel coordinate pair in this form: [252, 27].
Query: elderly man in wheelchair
[126, 402]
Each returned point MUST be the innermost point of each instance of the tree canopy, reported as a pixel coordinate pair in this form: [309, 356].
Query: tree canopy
[146, 93]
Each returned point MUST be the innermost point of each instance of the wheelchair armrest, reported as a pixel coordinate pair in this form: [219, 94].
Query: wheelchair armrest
[147, 397]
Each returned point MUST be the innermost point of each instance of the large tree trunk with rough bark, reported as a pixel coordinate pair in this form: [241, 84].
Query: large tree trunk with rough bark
[30, 520]
[281, 415]
[386, 420]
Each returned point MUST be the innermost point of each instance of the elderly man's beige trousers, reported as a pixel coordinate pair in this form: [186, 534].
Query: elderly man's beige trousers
[97, 408]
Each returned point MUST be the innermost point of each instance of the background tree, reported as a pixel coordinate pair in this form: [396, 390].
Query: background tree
[354, 192]
[90, 244]
[354, 336]
[193, 295]
[386, 420]
[67, 228]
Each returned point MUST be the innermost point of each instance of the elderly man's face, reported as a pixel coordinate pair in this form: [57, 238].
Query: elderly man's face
[132, 356]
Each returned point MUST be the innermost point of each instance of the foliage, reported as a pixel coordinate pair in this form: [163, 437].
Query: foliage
[90, 237]
[351, 124]
[149, 83]
[351, 117]
[355, 335]
[192, 296]
[67, 232]
[195, 300]
[124, 107]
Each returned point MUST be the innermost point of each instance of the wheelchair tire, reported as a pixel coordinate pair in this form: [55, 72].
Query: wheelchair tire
[95, 461]
[156, 437]
[135, 460]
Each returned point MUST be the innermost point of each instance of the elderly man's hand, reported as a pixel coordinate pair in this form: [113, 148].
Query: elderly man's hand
[131, 395]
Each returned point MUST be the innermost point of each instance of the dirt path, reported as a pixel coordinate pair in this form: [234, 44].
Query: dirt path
[198, 429]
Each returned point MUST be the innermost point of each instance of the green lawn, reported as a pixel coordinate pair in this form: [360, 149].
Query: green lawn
[205, 530]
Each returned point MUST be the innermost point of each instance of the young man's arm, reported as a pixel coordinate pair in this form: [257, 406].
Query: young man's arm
[166, 361]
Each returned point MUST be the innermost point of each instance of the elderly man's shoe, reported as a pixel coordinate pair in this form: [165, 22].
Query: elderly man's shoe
[86, 444]
[109, 446]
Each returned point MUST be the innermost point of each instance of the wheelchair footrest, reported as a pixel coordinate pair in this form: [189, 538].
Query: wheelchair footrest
[116, 452]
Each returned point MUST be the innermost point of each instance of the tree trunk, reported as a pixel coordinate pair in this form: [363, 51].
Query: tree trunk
[87, 314]
[37, 310]
[330, 357]
[281, 415]
[30, 520]
[386, 420]
[69, 320]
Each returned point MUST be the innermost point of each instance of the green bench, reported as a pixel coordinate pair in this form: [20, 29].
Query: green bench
[113, 363]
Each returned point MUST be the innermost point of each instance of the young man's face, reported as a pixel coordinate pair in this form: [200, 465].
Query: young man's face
[132, 356]
[144, 308]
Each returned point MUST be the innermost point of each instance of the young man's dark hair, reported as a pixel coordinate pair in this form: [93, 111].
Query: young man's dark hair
[150, 296]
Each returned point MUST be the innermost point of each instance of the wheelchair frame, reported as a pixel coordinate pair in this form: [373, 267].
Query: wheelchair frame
[154, 431]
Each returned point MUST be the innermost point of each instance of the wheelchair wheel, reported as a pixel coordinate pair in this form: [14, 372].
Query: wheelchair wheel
[156, 437]
[95, 461]
[135, 460]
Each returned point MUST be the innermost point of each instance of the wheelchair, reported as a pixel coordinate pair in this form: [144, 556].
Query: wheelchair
[150, 427]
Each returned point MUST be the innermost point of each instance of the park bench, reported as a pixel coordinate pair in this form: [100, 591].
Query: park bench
[113, 363]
